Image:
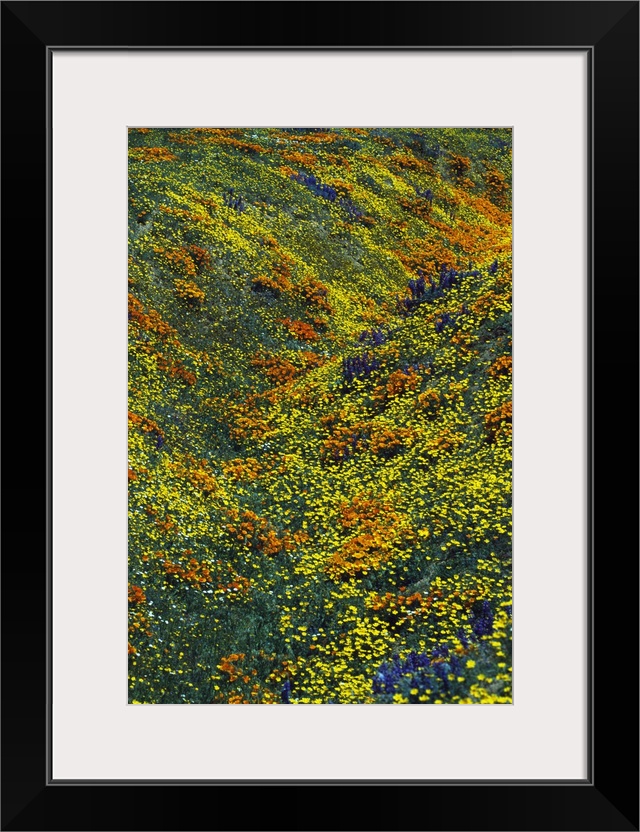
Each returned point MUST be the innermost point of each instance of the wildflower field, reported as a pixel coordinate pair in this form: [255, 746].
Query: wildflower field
[320, 416]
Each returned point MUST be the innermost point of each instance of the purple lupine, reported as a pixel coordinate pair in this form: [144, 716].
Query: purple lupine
[352, 210]
[285, 693]
[441, 670]
[428, 194]
[375, 337]
[417, 288]
[232, 201]
[482, 622]
[418, 670]
[456, 665]
[443, 321]
[405, 305]
[448, 277]
[358, 366]
[315, 186]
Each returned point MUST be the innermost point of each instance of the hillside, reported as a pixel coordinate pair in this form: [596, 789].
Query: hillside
[320, 415]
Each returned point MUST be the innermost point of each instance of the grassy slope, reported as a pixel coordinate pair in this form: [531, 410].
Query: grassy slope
[295, 532]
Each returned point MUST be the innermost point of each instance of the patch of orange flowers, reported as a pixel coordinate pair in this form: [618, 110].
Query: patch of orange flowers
[255, 532]
[189, 291]
[485, 303]
[429, 402]
[178, 259]
[498, 421]
[195, 572]
[304, 160]
[229, 665]
[315, 292]
[300, 330]
[496, 186]
[182, 138]
[344, 441]
[361, 510]
[501, 366]
[145, 425]
[150, 321]
[387, 443]
[426, 253]
[397, 384]
[242, 470]
[201, 257]
[202, 479]
[419, 207]
[245, 419]
[182, 214]
[237, 587]
[378, 529]
[136, 595]
[175, 369]
[152, 154]
[279, 282]
[278, 370]
[445, 442]
[459, 165]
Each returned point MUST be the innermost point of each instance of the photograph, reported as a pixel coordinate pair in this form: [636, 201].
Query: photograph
[320, 415]
[348, 290]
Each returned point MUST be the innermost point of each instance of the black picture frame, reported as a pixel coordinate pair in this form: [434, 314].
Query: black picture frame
[608, 798]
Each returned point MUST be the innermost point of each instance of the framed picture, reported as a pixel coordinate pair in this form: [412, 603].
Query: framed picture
[89, 85]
